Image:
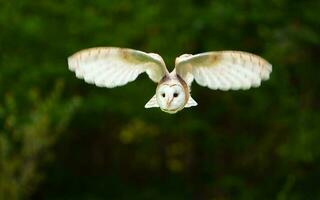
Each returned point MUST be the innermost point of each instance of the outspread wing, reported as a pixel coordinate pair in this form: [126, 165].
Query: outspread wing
[224, 70]
[110, 66]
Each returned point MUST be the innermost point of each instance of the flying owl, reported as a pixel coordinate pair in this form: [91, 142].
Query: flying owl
[218, 70]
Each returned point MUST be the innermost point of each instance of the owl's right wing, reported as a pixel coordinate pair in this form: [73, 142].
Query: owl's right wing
[223, 70]
[111, 66]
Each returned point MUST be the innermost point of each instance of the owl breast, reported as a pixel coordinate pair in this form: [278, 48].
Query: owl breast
[172, 94]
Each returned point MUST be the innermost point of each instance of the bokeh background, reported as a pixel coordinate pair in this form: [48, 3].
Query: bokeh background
[61, 138]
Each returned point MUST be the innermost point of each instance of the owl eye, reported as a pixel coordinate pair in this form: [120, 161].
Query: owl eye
[163, 94]
[175, 94]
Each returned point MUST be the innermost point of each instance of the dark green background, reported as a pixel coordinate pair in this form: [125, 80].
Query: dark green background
[61, 138]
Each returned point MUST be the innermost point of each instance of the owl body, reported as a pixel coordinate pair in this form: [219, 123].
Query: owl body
[221, 70]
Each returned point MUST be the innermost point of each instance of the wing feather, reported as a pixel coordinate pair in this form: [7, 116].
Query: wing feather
[224, 70]
[214, 79]
[112, 67]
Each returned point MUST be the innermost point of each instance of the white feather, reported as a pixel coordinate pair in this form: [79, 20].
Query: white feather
[152, 102]
[191, 102]
[111, 67]
[224, 70]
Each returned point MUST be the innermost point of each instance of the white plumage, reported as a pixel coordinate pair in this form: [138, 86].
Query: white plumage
[225, 70]
[110, 67]
[222, 70]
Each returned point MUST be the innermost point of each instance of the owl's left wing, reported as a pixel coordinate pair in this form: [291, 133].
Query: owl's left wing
[111, 66]
[223, 70]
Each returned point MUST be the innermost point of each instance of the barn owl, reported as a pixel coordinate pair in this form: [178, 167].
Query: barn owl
[218, 70]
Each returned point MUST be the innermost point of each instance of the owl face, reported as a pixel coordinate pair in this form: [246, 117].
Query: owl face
[171, 97]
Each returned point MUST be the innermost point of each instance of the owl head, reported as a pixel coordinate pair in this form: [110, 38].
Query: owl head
[171, 96]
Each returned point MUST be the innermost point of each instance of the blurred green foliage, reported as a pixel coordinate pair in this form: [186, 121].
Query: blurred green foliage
[61, 138]
[26, 138]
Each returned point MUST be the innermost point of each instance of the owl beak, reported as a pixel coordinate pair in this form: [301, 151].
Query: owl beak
[169, 102]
